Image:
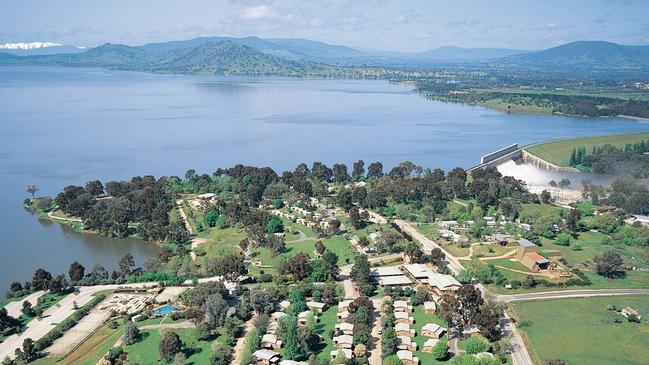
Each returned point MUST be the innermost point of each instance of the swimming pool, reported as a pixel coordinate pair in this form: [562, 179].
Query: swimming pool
[165, 310]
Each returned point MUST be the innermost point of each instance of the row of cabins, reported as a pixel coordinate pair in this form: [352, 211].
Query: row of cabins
[267, 355]
[403, 321]
[323, 224]
[452, 224]
[344, 342]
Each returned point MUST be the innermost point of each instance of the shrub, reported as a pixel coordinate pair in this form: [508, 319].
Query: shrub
[440, 350]
[563, 239]
[476, 345]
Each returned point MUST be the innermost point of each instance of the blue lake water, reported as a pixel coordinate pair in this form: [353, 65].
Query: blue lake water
[63, 126]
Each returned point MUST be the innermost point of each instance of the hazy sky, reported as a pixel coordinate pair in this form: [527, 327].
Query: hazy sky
[403, 25]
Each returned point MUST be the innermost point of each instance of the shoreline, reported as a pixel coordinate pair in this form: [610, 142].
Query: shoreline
[74, 222]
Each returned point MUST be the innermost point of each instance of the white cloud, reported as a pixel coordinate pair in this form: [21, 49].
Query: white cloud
[257, 12]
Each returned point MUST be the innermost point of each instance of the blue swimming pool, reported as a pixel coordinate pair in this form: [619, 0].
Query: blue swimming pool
[165, 310]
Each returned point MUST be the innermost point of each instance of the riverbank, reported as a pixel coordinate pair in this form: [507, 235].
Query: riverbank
[557, 153]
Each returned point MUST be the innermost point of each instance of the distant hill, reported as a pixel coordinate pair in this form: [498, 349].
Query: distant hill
[228, 57]
[452, 53]
[315, 51]
[586, 54]
[303, 57]
[38, 48]
[289, 48]
[223, 57]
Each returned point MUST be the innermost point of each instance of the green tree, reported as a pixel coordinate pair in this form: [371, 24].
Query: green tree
[475, 345]
[131, 333]
[298, 303]
[170, 345]
[293, 348]
[388, 342]
[563, 239]
[274, 225]
[222, 355]
[610, 264]
[211, 217]
[440, 350]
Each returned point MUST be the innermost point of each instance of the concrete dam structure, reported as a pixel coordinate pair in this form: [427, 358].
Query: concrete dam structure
[520, 155]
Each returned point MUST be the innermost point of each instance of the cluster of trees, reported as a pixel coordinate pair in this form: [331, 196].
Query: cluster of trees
[301, 267]
[627, 194]
[467, 308]
[142, 200]
[361, 275]
[611, 160]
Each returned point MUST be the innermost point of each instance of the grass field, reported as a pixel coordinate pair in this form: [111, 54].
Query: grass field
[558, 152]
[146, 351]
[341, 247]
[421, 318]
[327, 322]
[527, 108]
[582, 331]
[539, 210]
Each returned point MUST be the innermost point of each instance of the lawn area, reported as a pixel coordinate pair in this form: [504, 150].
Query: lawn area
[558, 152]
[341, 247]
[582, 331]
[327, 323]
[540, 210]
[421, 318]
[304, 229]
[146, 351]
[489, 250]
[508, 264]
[530, 107]
[292, 249]
[589, 244]
[453, 248]
[222, 240]
[427, 229]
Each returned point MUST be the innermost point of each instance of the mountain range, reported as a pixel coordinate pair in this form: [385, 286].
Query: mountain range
[302, 57]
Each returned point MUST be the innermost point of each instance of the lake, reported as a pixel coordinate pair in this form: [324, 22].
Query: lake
[66, 126]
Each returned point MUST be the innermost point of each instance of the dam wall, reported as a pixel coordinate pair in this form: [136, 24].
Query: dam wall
[531, 159]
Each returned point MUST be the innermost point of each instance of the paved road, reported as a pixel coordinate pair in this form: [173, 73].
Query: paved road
[14, 308]
[428, 245]
[519, 353]
[375, 355]
[569, 294]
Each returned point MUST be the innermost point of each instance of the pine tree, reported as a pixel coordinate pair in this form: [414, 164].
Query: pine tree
[293, 348]
[573, 158]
